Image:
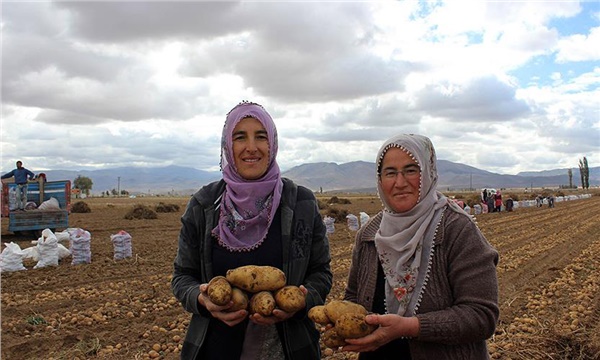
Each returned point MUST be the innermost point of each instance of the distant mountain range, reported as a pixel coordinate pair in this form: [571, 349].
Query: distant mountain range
[360, 176]
[357, 176]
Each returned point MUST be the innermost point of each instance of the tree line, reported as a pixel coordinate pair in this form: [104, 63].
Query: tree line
[84, 184]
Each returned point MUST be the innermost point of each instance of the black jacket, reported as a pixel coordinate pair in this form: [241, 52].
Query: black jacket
[306, 261]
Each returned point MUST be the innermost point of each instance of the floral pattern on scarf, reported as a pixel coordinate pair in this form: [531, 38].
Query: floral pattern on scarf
[401, 236]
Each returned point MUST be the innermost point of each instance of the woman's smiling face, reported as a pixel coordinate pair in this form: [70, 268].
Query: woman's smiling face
[250, 149]
[400, 180]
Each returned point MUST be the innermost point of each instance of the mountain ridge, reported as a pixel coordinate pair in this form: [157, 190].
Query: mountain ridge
[355, 176]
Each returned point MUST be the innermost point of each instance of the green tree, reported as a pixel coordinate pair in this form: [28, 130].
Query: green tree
[587, 173]
[570, 172]
[83, 183]
[584, 172]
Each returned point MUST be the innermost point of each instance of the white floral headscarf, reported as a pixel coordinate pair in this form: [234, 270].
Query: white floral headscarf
[401, 237]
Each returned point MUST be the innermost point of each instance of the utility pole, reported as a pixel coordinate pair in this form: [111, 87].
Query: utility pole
[119, 186]
[471, 182]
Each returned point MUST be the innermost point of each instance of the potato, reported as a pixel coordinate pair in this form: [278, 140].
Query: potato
[336, 308]
[353, 326]
[262, 303]
[240, 300]
[254, 278]
[331, 339]
[317, 314]
[219, 290]
[290, 299]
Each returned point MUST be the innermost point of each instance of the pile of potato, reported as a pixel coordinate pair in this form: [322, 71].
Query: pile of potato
[258, 289]
[342, 320]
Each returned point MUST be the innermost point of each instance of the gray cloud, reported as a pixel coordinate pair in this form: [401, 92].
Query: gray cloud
[485, 99]
[131, 21]
[106, 84]
[312, 56]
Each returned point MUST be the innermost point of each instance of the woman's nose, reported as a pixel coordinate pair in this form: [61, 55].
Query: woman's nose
[251, 146]
[400, 180]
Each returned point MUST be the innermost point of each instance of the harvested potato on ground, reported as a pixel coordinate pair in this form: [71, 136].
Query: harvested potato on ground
[317, 314]
[290, 299]
[219, 290]
[353, 326]
[336, 308]
[331, 339]
[240, 300]
[262, 303]
[255, 278]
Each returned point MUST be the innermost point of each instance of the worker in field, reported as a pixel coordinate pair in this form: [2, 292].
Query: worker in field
[22, 175]
[252, 216]
[421, 267]
[498, 201]
[510, 204]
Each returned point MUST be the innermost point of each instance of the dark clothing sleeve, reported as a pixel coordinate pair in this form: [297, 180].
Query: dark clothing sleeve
[471, 282]
[318, 279]
[186, 277]
[8, 175]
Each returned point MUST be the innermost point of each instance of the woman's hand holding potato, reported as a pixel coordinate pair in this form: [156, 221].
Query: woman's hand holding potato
[221, 312]
[277, 315]
[341, 321]
[268, 300]
[390, 327]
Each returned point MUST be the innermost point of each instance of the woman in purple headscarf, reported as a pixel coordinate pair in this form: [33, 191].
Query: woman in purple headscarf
[421, 266]
[252, 216]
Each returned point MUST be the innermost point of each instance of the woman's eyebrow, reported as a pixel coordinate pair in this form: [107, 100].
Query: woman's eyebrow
[411, 165]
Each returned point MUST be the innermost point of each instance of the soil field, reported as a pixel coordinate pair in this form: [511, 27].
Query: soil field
[549, 274]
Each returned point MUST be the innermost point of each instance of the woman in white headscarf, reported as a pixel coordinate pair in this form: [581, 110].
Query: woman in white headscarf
[421, 266]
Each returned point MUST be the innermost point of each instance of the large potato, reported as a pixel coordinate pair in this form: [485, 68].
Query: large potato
[336, 308]
[254, 278]
[262, 303]
[353, 326]
[219, 290]
[290, 299]
[240, 300]
[331, 339]
[317, 314]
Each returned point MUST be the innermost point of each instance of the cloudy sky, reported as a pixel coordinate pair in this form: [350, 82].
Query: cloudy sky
[502, 86]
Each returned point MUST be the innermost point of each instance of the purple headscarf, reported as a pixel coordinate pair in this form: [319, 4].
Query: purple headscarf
[247, 206]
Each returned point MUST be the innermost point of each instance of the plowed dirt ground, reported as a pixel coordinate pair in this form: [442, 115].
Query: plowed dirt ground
[549, 275]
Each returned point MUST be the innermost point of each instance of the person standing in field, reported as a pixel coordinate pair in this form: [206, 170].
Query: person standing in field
[421, 266]
[509, 204]
[252, 216]
[490, 203]
[550, 201]
[22, 175]
[498, 201]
